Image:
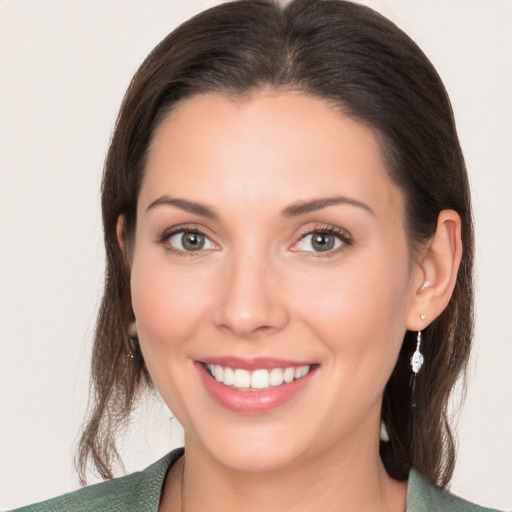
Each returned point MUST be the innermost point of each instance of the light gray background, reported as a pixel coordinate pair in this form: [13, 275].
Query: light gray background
[64, 67]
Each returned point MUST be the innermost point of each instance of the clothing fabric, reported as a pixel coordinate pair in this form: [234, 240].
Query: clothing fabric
[140, 492]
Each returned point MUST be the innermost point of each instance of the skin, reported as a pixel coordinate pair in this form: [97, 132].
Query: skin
[259, 288]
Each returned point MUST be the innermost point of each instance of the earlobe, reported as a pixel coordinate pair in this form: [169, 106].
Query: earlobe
[439, 263]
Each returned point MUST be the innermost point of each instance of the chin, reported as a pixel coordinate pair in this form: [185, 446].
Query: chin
[253, 450]
[257, 460]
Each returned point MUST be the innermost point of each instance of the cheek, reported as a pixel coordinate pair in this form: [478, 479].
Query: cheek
[359, 313]
[167, 301]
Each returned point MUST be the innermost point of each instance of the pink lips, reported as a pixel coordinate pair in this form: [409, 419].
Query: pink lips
[252, 401]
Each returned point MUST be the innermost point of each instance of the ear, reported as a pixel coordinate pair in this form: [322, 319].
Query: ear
[121, 233]
[436, 272]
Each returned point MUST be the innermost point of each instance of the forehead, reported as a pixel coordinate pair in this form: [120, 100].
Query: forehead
[269, 147]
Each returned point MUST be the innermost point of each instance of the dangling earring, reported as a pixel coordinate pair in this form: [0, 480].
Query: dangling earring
[132, 340]
[416, 364]
[417, 357]
[384, 434]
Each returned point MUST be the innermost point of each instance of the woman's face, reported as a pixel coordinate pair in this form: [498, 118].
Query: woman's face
[270, 251]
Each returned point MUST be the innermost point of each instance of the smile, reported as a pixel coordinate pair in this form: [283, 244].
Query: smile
[257, 380]
[254, 386]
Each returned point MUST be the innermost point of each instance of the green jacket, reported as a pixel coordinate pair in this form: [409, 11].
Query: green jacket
[140, 492]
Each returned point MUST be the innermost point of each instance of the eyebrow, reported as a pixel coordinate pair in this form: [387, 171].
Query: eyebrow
[188, 206]
[318, 204]
[293, 210]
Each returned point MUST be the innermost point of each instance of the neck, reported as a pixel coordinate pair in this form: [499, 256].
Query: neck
[343, 479]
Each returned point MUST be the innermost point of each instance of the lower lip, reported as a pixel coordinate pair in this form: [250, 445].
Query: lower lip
[252, 401]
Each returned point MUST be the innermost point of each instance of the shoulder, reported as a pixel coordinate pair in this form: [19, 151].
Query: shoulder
[135, 492]
[424, 497]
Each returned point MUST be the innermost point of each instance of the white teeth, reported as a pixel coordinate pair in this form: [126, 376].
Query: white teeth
[258, 379]
[289, 374]
[242, 379]
[229, 377]
[276, 377]
[218, 372]
[301, 371]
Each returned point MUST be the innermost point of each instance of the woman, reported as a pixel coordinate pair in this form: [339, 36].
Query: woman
[289, 261]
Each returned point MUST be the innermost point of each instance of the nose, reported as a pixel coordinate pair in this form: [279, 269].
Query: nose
[250, 303]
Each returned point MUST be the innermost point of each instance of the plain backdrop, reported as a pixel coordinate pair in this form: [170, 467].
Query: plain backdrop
[64, 67]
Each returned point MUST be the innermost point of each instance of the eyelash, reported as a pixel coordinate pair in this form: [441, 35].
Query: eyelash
[342, 235]
[192, 229]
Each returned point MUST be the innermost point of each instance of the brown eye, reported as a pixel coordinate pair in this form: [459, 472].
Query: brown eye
[319, 241]
[190, 241]
[322, 242]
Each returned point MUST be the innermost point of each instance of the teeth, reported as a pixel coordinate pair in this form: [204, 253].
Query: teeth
[301, 371]
[229, 377]
[242, 379]
[218, 373]
[289, 374]
[276, 377]
[258, 379]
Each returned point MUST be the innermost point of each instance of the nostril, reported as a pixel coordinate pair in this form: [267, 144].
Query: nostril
[263, 328]
[247, 331]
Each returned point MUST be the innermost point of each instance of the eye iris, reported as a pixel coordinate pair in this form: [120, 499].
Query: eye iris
[192, 241]
[322, 242]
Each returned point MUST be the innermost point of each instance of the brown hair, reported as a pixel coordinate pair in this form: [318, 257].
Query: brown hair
[368, 68]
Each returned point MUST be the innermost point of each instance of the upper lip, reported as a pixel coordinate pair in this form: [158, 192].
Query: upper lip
[255, 363]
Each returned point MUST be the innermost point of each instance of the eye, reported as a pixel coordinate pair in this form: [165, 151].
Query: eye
[321, 241]
[190, 241]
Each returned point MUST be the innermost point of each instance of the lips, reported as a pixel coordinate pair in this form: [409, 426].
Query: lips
[256, 385]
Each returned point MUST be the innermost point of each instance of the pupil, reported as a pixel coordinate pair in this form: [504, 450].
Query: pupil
[322, 242]
[193, 241]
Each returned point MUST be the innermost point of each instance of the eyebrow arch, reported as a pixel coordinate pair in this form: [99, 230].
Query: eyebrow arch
[318, 204]
[188, 206]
